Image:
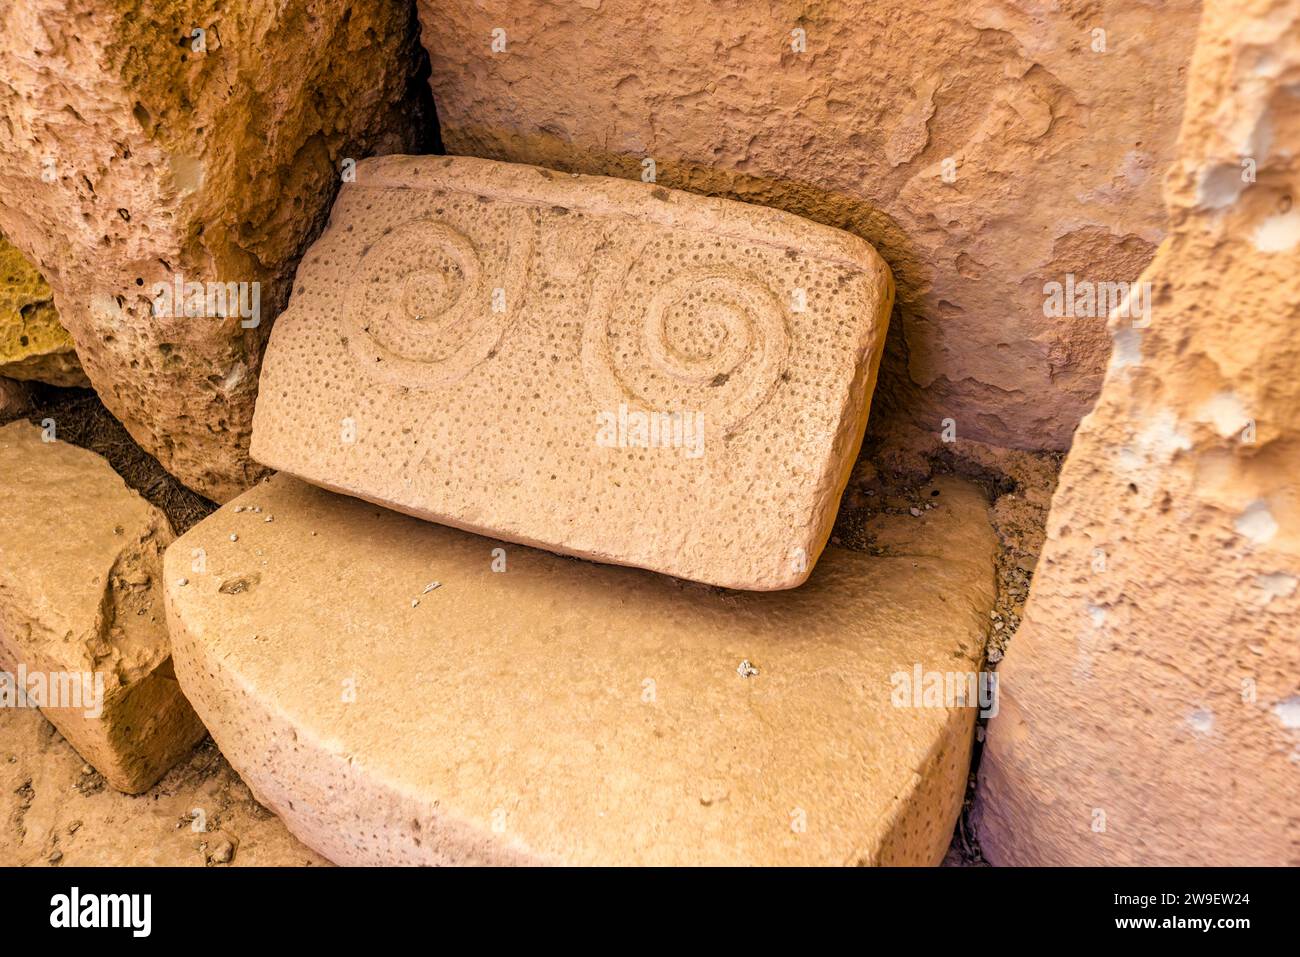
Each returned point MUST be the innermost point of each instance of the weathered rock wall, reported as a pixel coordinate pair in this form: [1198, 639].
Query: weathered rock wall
[984, 149]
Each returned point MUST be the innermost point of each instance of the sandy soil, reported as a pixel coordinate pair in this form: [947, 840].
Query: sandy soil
[55, 810]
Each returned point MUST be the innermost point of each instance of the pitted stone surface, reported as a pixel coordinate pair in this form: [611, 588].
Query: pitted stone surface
[1154, 685]
[80, 556]
[532, 708]
[33, 345]
[599, 367]
[162, 141]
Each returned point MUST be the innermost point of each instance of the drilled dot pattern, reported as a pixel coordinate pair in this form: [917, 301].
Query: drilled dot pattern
[468, 347]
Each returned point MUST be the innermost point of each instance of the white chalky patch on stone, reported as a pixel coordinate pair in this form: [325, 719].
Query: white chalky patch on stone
[1156, 444]
[1096, 614]
[1219, 185]
[1278, 234]
[106, 307]
[1288, 712]
[1226, 413]
[1201, 720]
[1127, 350]
[234, 376]
[1256, 523]
[1275, 585]
[1129, 461]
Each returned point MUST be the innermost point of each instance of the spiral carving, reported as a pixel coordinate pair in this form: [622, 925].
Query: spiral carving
[425, 309]
[712, 339]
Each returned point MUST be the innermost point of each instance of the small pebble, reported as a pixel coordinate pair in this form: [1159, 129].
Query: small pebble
[430, 587]
[223, 854]
[234, 537]
[415, 602]
[916, 512]
[239, 508]
[746, 670]
[268, 518]
[182, 582]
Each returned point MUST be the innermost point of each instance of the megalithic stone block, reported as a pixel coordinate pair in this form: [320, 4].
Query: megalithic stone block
[599, 367]
[83, 634]
[400, 692]
[196, 145]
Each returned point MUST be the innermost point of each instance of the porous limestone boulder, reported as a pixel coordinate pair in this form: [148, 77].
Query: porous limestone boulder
[33, 344]
[985, 149]
[83, 634]
[401, 692]
[602, 368]
[1150, 707]
[148, 144]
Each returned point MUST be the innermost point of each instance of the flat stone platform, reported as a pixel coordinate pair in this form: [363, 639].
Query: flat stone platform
[403, 692]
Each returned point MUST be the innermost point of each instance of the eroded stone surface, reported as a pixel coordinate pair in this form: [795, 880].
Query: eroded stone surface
[15, 398]
[478, 343]
[561, 711]
[157, 140]
[33, 344]
[1151, 699]
[984, 149]
[80, 556]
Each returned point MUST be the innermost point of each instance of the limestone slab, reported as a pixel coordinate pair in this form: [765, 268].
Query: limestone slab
[82, 629]
[599, 367]
[404, 692]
